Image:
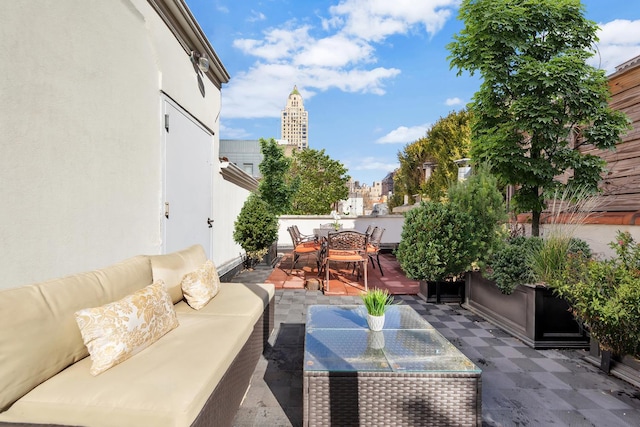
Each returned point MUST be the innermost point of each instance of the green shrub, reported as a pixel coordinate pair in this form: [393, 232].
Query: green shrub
[256, 227]
[509, 265]
[605, 295]
[480, 197]
[437, 241]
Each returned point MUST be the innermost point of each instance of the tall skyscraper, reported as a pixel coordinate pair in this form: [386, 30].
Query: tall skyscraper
[295, 121]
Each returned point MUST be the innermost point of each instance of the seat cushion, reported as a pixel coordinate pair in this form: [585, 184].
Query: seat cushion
[171, 268]
[39, 335]
[165, 384]
[236, 299]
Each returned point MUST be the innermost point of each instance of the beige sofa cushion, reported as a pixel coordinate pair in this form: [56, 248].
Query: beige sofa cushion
[201, 285]
[171, 268]
[236, 299]
[116, 331]
[172, 380]
[38, 332]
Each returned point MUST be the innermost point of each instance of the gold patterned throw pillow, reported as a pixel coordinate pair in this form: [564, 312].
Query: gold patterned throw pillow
[116, 331]
[201, 285]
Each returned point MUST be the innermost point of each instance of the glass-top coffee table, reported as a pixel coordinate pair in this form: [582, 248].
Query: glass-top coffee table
[406, 374]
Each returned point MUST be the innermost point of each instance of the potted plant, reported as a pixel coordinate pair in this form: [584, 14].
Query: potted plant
[376, 301]
[512, 292]
[512, 289]
[605, 295]
[255, 229]
[437, 243]
[336, 221]
[440, 240]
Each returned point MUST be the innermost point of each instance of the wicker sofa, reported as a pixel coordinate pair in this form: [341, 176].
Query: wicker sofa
[196, 374]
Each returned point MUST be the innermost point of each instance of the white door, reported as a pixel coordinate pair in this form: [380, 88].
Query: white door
[187, 181]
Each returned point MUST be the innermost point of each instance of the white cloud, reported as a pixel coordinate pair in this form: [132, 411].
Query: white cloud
[277, 45]
[371, 163]
[256, 16]
[335, 51]
[619, 42]
[453, 101]
[375, 20]
[258, 92]
[403, 134]
[233, 133]
[340, 57]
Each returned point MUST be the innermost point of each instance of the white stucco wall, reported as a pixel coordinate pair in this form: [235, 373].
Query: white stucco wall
[80, 132]
[598, 236]
[228, 201]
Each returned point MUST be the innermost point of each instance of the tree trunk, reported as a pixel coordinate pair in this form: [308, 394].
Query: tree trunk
[535, 224]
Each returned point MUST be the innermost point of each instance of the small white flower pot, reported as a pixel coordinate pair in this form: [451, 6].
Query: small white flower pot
[375, 322]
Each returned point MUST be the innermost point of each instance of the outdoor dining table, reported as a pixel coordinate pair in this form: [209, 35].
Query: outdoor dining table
[407, 374]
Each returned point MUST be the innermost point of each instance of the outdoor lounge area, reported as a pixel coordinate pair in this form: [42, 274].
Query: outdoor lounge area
[521, 386]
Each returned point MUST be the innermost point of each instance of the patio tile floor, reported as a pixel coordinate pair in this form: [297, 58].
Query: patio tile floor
[520, 386]
[342, 281]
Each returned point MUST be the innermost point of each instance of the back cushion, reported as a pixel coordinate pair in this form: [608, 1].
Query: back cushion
[39, 335]
[172, 267]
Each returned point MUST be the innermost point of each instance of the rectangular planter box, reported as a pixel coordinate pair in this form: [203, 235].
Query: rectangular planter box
[272, 256]
[626, 368]
[532, 314]
[445, 292]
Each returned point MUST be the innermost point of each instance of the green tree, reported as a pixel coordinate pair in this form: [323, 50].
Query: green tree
[274, 167]
[256, 228]
[447, 140]
[407, 178]
[537, 94]
[480, 197]
[320, 182]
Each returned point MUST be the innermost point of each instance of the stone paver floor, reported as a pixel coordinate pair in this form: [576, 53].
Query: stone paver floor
[520, 386]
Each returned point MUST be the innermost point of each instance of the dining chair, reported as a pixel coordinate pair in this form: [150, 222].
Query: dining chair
[302, 247]
[303, 237]
[369, 230]
[373, 248]
[347, 247]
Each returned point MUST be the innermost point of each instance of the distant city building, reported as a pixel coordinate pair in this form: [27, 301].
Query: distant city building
[244, 153]
[295, 122]
[363, 199]
[387, 184]
[376, 190]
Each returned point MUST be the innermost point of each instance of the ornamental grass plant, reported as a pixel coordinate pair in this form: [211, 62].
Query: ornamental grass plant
[377, 301]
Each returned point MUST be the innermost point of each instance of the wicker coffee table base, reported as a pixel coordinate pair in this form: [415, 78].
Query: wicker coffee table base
[391, 398]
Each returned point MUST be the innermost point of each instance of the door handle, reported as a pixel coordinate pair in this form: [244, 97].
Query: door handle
[210, 222]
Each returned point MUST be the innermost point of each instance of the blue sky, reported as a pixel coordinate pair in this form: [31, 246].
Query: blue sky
[373, 74]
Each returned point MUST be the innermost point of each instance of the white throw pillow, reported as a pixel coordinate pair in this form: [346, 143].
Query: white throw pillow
[201, 285]
[116, 331]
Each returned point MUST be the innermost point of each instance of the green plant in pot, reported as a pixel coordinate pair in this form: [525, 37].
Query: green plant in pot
[440, 240]
[437, 241]
[376, 301]
[255, 229]
[605, 295]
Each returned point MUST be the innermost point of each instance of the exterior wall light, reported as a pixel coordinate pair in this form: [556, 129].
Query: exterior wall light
[200, 60]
